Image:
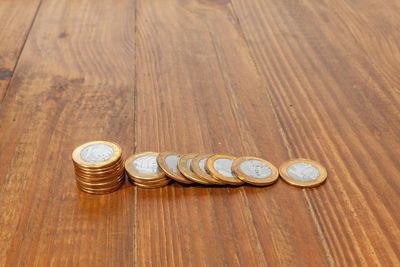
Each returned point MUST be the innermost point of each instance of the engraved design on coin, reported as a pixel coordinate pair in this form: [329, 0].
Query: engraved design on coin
[255, 169]
[146, 164]
[188, 164]
[172, 163]
[303, 172]
[202, 164]
[224, 167]
[97, 153]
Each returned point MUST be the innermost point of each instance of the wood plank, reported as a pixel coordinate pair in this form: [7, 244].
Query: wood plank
[198, 91]
[74, 83]
[16, 18]
[331, 68]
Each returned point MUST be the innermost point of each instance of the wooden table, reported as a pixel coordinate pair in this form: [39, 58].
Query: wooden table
[274, 79]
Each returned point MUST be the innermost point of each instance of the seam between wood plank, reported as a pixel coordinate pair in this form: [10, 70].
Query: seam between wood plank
[135, 111]
[20, 52]
[285, 140]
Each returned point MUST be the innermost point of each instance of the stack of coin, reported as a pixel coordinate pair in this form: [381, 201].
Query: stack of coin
[143, 171]
[99, 167]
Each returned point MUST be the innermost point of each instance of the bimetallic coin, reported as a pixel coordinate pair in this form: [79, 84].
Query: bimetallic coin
[99, 192]
[151, 186]
[102, 189]
[117, 170]
[144, 166]
[101, 184]
[303, 172]
[148, 181]
[220, 167]
[255, 171]
[168, 162]
[198, 166]
[185, 168]
[96, 154]
[109, 168]
[98, 167]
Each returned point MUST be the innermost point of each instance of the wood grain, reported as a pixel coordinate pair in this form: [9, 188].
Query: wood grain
[331, 70]
[16, 18]
[74, 82]
[274, 79]
[199, 91]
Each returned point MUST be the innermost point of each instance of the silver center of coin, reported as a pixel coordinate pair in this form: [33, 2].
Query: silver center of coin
[172, 162]
[97, 153]
[255, 169]
[303, 172]
[146, 164]
[224, 167]
[188, 164]
[202, 165]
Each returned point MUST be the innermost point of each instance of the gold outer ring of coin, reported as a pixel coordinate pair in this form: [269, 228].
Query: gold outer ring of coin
[101, 184]
[119, 162]
[146, 186]
[76, 155]
[165, 178]
[94, 192]
[171, 174]
[189, 174]
[149, 182]
[214, 173]
[98, 180]
[255, 181]
[134, 173]
[195, 165]
[105, 189]
[117, 170]
[319, 180]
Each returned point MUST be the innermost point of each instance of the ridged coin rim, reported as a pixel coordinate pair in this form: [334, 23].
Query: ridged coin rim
[318, 181]
[170, 173]
[132, 172]
[76, 155]
[254, 181]
[217, 175]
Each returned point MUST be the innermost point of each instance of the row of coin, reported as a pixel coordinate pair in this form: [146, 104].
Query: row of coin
[151, 170]
[99, 169]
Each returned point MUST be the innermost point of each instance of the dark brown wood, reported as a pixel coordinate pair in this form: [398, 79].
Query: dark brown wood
[199, 91]
[74, 82]
[16, 18]
[273, 79]
[331, 70]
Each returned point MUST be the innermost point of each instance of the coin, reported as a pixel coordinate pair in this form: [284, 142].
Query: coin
[303, 172]
[118, 170]
[168, 162]
[98, 167]
[96, 192]
[198, 166]
[148, 186]
[144, 166]
[184, 166]
[220, 167]
[108, 168]
[148, 181]
[101, 189]
[96, 154]
[255, 171]
[101, 184]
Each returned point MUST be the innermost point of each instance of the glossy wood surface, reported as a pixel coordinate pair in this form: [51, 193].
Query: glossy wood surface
[273, 79]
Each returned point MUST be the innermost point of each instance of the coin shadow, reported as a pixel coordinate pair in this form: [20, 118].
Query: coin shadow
[96, 206]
